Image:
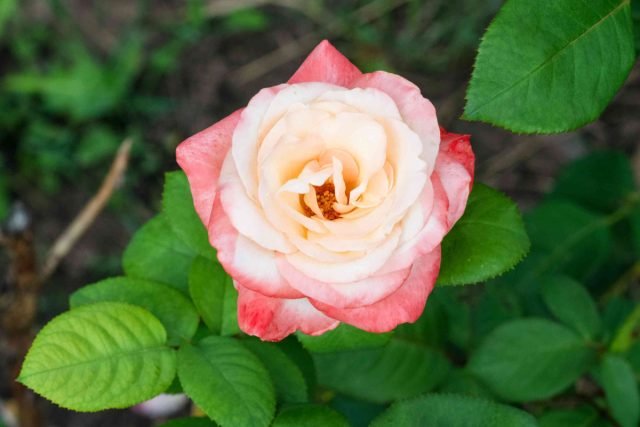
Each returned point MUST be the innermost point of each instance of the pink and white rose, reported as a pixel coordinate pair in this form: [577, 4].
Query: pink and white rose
[327, 198]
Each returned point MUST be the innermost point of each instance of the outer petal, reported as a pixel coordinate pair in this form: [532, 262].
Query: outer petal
[417, 111]
[434, 205]
[355, 294]
[404, 305]
[455, 167]
[201, 157]
[272, 319]
[326, 64]
[244, 260]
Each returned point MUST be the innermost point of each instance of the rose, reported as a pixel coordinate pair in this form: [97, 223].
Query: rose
[327, 198]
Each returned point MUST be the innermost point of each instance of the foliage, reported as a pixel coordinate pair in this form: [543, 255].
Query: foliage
[548, 83]
[528, 335]
[504, 352]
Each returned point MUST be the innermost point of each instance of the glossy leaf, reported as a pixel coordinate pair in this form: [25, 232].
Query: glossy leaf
[177, 206]
[157, 254]
[189, 422]
[584, 416]
[621, 390]
[571, 303]
[398, 370]
[170, 306]
[227, 382]
[488, 240]
[548, 82]
[309, 416]
[214, 296]
[100, 356]
[530, 359]
[452, 410]
[600, 181]
[344, 337]
[286, 376]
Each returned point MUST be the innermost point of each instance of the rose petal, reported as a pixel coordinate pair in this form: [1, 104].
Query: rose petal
[404, 305]
[201, 157]
[434, 206]
[417, 111]
[272, 319]
[244, 260]
[455, 167]
[246, 215]
[355, 294]
[326, 64]
[351, 270]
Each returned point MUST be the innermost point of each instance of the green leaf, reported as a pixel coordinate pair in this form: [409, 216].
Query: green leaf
[572, 305]
[177, 206]
[627, 334]
[170, 306]
[549, 82]
[301, 357]
[157, 254]
[100, 356]
[530, 359]
[584, 416]
[344, 337]
[398, 370]
[488, 240]
[452, 411]
[600, 181]
[571, 239]
[214, 296]
[621, 390]
[309, 416]
[460, 381]
[227, 382]
[286, 376]
[189, 422]
[633, 356]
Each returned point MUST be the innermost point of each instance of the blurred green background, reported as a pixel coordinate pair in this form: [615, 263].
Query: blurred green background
[79, 76]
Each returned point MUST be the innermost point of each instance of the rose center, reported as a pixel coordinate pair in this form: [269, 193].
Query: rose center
[326, 197]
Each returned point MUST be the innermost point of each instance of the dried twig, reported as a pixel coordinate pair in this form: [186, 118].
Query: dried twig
[85, 218]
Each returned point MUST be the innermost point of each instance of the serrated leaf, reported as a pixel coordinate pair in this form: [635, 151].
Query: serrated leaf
[572, 304]
[227, 382]
[461, 382]
[627, 334]
[170, 306]
[621, 390]
[344, 337]
[600, 181]
[286, 376]
[488, 240]
[301, 357]
[309, 416]
[584, 416]
[530, 359]
[189, 422]
[214, 296]
[565, 238]
[177, 206]
[548, 83]
[398, 370]
[157, 254]
[452, 410]
[100, 356]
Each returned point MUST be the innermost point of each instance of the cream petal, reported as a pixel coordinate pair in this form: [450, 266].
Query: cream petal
[345, 272]
[245, 215]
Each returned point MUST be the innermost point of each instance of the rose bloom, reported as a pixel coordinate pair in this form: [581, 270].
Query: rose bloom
[327, 198]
